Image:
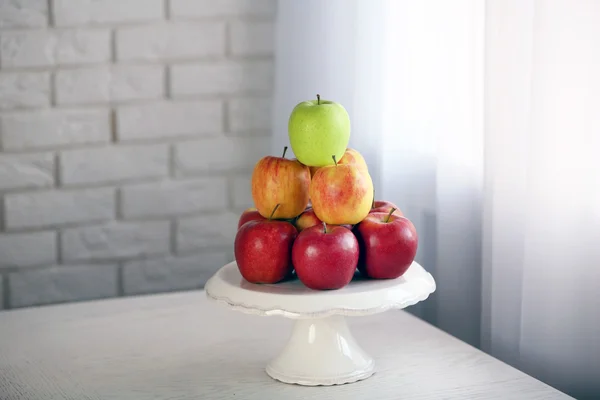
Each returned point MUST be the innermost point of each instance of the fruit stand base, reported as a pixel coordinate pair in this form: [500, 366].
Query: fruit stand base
[321, 351]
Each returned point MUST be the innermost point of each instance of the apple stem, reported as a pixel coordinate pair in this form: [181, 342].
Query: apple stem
[273, 212]
[324, 227]
[284, 151]
[334, 161]
[318, 99]
[389, 215]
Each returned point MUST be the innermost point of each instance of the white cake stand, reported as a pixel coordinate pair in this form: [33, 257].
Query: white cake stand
[321, 349]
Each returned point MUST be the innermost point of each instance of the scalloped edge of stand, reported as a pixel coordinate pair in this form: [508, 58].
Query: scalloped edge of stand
[348, 312]
[358, 375]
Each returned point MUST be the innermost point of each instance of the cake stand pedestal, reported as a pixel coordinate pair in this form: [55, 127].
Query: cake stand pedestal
[321, 349]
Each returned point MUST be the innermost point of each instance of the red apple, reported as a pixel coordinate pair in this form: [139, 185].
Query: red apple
[250, 214]
[307, 219]
[263, 250]
[388, 245]
[325, 257]
[278, 180]
[341, 194]
[385, 207]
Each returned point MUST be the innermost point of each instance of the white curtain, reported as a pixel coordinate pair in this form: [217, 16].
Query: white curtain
[481, 120]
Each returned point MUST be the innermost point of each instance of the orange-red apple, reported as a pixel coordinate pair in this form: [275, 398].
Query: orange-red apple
[341, 194]
[352, 156]
[307, 219]
[313, 170]
[278, 180]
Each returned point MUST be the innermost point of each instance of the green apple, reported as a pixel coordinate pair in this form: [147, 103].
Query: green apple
[319, 129]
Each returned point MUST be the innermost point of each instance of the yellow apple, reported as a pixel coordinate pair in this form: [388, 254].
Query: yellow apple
[341, 194]
[278, 180]
[352, 156]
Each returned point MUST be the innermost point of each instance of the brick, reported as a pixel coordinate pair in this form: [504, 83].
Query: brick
[52, 128]
[174, 197]
[171, 273]
[221, 8]
[250, 114]
[80, 13]
[113, 164]
[83, 47]
[28, 49]
[51, 208]
[23, 14]
[109, 84]
[220, 154]
[115, 240]
[170, 41]
[225, 77]
[24, 90]
[51, 48]
[20, 171]
[169, 119]
[252, 38]
[27, 249]
[206, 231]
[242, 192]
[63, 283]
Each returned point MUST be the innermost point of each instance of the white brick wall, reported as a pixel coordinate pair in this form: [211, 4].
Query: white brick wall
[21, 171]
[208, 155]
[28, 130]
[217, 229]
[173, 197]
[250, 114]
[171, 273]
[109, 84]
[223, 77]
[24, 90]
[211, 8]
[113, 164]
[128, 131]
[171, 41]
[58, 207]
[23, 14]
[45, 48]
[115, 240]
[252, 38]
[27, 249]
[169, 119]
[83, 13]
[241, 188]
[62, 283]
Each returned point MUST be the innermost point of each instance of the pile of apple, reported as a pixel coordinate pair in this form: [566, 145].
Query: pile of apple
[316, 214]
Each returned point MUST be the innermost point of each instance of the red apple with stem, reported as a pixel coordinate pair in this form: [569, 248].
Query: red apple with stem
[325, 256]
[388, 245]
[263, 249]
[250, 214]
[385, 207]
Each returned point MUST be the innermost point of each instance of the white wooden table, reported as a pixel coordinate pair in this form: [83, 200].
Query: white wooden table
[181, 346]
